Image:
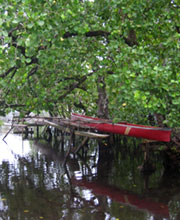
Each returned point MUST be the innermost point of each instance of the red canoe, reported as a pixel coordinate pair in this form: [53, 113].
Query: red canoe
[133, 130]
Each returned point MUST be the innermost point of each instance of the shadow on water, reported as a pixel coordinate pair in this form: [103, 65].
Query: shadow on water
[104, 184]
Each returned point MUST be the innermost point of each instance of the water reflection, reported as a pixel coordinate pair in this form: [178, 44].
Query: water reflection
[13, 147]
[34, 184]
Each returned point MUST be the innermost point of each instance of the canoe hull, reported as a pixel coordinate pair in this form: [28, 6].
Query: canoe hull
[133, 130]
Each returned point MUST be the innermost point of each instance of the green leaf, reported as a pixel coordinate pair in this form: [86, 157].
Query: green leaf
[176, 101]
[40, 22]
[28, 42]
[28, 60]
[1, 21]
[4, 33]
[30, 25]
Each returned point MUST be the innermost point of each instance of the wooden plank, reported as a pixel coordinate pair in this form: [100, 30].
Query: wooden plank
[91, 134]
[65, 126]
[146, 141]
[73, 124]
[17, 125]
[68, 130]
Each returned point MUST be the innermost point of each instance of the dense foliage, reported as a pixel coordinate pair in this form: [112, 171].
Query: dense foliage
[53, 51]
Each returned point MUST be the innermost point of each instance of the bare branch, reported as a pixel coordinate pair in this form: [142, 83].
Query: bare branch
[97, 33]
[32, 71]
[130, 40]
[14, 29]
[100, 33]
[75, 85]
[8, 72]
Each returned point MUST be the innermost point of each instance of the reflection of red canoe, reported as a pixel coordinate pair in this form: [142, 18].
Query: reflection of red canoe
[139, 131]
[126, 198]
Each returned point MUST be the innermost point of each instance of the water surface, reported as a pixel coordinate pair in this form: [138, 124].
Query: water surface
[34, 184]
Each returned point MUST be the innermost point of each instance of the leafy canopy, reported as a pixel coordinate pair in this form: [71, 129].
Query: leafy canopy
[52, 52]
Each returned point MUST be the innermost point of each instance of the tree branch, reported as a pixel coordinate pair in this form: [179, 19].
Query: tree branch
[97, 33]
[75, 85]
[67, 78]
[14, 29]
[130, 40]
[8, 72]
[100, 33]
[22, 48]
[32, 71]
[12, 75]
[5, 105]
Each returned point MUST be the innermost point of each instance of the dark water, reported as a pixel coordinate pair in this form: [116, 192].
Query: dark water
[34, 184]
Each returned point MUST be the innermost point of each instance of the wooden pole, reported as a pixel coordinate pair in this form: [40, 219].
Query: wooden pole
[8, 133]
[37, 130]
[85, 140]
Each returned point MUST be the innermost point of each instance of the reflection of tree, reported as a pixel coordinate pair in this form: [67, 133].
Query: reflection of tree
[126, 161]
[29, 188]
[105, 159]
[39, 186]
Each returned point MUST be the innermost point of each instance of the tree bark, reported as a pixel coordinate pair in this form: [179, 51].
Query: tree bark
[102, 103]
